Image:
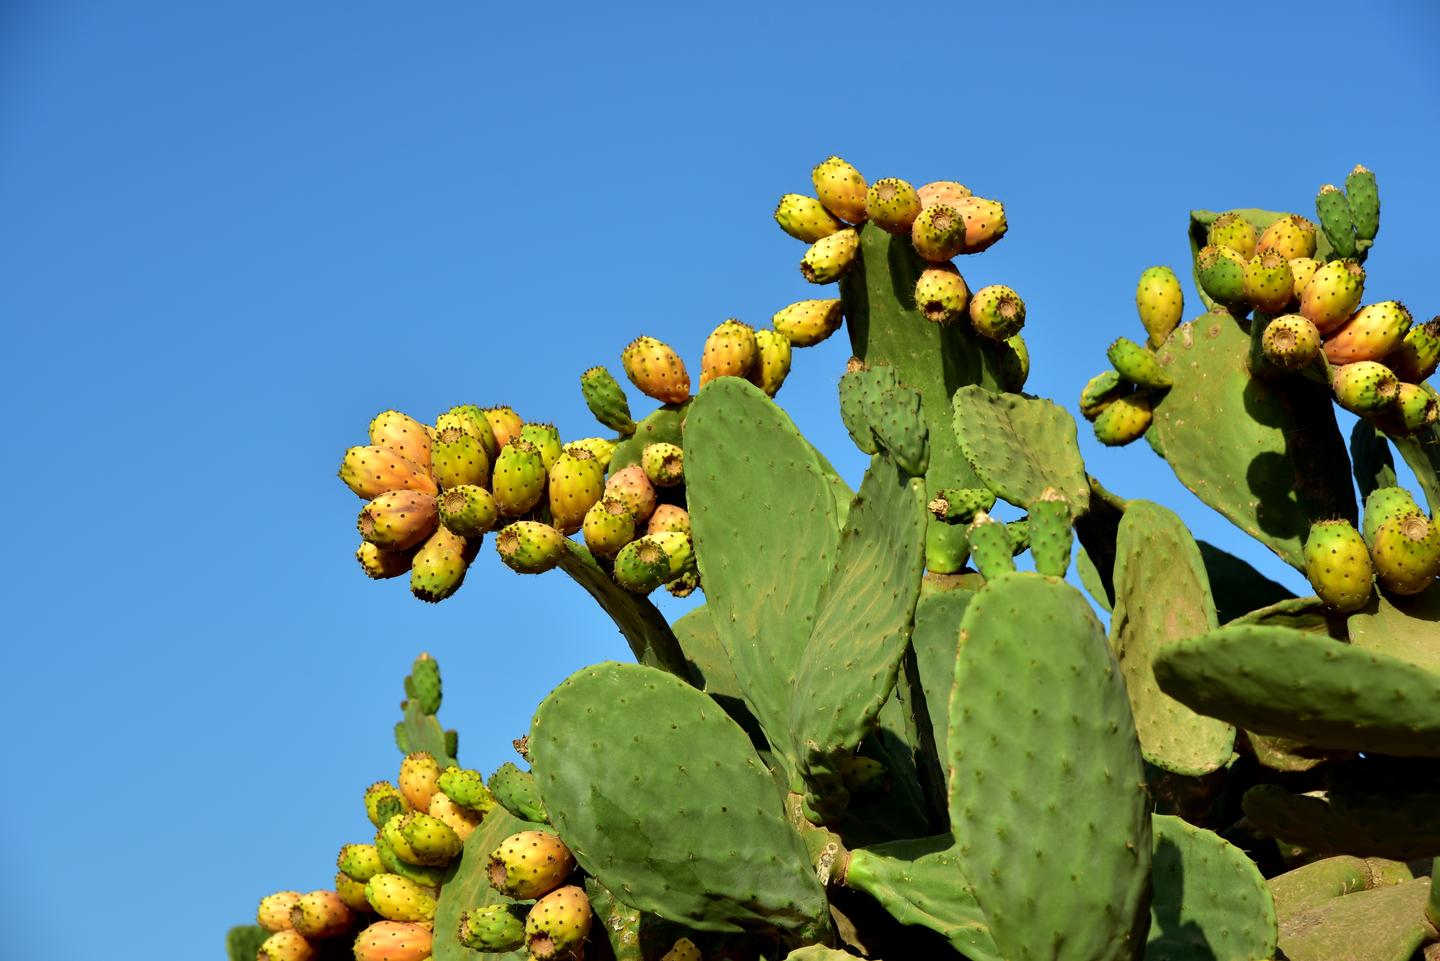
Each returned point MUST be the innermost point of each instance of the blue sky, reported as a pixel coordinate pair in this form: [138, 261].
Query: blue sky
[232, 232]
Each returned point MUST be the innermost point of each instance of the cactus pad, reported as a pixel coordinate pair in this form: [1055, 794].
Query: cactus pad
[469, 887]
[1021, 445]
[1384, 924]
[1407, 627]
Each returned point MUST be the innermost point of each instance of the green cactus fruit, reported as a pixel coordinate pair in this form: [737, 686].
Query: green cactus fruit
[1364, 197]
[404, 435]
[1160, 301]
[468, 510]
[959, 505]
[1290, 236]
[424, 684]
[518, 481]
[557, 925]
[395, 863]
[399, 899]
[434, 842]
[494, 927]
[600, 448]
[285, 946]
[378, 563]
[1333, 294]
[892, 205]
[439, 566]
[684, 585]
[359, 861]
[351, 892]
[841, 189]
[730, 351]
[1221, 272]
[606, 400]
[530, 865]
[467, 788]
[990, 546]
[515, 791]
[938, 233]
[471, 420]
[394, 941]
[372, 471]
[1051, 536]
[1416, 407]
[1100, 390]
[678, 547]
[504, 424]
[375, 794]
[985, 223]
[942, 192]
[669, 517]
[1137, 365]
[1124, 419]
[997, 312]
[608, 526]
[1418, 354]
[396, 843]
[1337, 564]
[546, 440]
[1333, 211]
[273, 913]
[642, 565]
[633, 488]
[419, 780]
[1301, 270]
[829, 257]
[398, 520]
[321, 914]
[1383, 504]
[864, 777]
[530, 547]
[808, 322]
[772, 361]
[1406, 553]
[940, 294]
[656, 370]
[664, 464]
[1365, 387]
[577, 482]
[805, 218]
[1371, 333]
[683, 950]
[1269, 284]
[1290, 342]
[1233, 231]
[1014, 363]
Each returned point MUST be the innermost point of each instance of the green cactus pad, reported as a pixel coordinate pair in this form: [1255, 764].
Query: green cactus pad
[618, 923]
[1308, 614]
[1236, 585]
[470, 887]
[1036, 690]
[933, 638]
[1210, 902]
[1370, 458]
[420, 731]
[1363, 197]
[661, 426]
[660, 795]
[859, 390]
[759, 502]
[1161, 596]
[1421, 451]
[1279, 681]
[1384, 924]
[1407, 627]
[1021, 445]
[818, 952]
[1268, 456]
[899, 426]
[515, 791]
[243, 942]
[1312, 884]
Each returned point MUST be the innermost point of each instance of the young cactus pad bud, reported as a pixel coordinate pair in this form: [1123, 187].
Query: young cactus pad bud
[530, 865]
[829, 257]
[892, 204]
[1406, 553]
[375, 794]
[1290, 236]
[371, 471]
[1364, 197]
[1333, 210]
[467, 788]
[1365, 387]
[529, 547]
[394, 941]
[558, 923]
[321, 914]
[730, 351]
[841, 189]
[438, 568]
[468, 511]
[399, 899]
[1233, 231]
[664, 464]
[984, 223]
[1160, 302]
[379, 564]
[805, 218]
[459, 458]
[606, 400]
[942, 192]
[772, 361]
[359, 861]
[576, 482]
[1269, 285]
[433, 841]
[1333, 294]
[608, 526]
[494, 928]
[404, 435]
[938, 233]
[1290, 342]
[1137, 365]
[518, 482]
[642, 565]
[1418, 354]
[1051, 536]
[1221, 272]
[997, 312]
[808, 322]
[1371, 333]
[941, 295]
[285, 946]
[989, 546]
[634, 489]
[504, 424]
[424, 684]
[1124, 419]
[656, 370]
[398, 520]
[1338, 565]
[959, 505]
[546, 439]
[418, 780]
[274, 911]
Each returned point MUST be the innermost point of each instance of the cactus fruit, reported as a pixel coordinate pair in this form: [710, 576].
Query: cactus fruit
[558, 923]
[990, 546]
[378, 563]
[371, 471]
[397, 520]
[678, 548]
[841, 189]
[466, 788]
[997, 312]
[938, 233]
[942, 192]
[1337, 564]
[1137, 365]
[1383, 504]
[606, 400]
[494, 927]
[634, 489]
[829, 257]
[1415, 408]
[504, 424]
[1290, 342]
[274, 911]
[320, 914]
[1365, 387]
[808, 322]
[1233, 231]
[1406, 553]
[377, 793]
[642, 565]
[285, 946]
[1160, 302]
[393, 941]
[530, 547]
[1301, 270]
[683, 585]
[609, 525]
[940, 294]
[1269, 285]
[419, 779]
[434, 842]
[1290, 236]
[959, 505]
[1014, 364]
[438, 568]
[351, 892]
[458, 458]
[515, 791]
[730, 351]
[656, 370]
[684, 949]
[805, 218]
[668, 517]
[546, 440]
[471, 420]
[985, 223]
[1364, 199]
[404, 435]
[772, 361]
[600, 448]
[1418, 354]
[1100, 390]
[1371, 333]
[577, 482]
[468, 511]
[359, 861]
[530, 865]
[1332, 294]
[1124, 419]
[1221, 272]
[664, 464]
[892, 205]
[1333, 211]
[518, 481]
[399, 899]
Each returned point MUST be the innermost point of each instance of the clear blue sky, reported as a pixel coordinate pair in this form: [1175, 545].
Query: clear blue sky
[233, 231]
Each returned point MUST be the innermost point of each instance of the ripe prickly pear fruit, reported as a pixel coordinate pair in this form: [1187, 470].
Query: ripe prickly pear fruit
[398, 520]
[1406, 553]
[371, 471]
[959, 505]
[606, 400]
[1233, 231]
[494, 928]
[1137, 365]
[684, 585]
[394, 941]
[378, 563]
[1415, 407]
[892, 204]
[990, 546]
[642, 565]
[805, 218]
[772, 361]
[608, 526]
[462, 821]
[656, 370]
[678, 548]
[938, 233]
[668, 517]
[997, 312]
[1332, 294]
[359, 861]
[633, 489]
[518, 481]
[399, 899]
[985, 223]
[432, 840]
[600, 448]
[1124, 419]
[351, 892]
[1364, 198]
[1334, 212]
[730, 351]
[808, 322]
[504, 424]
[683, 950]
[864, 777]
[1365, 387]
[1290, 342]
[530, 864]
[942, 192]
[404, 435]
[841, 189]
[1418, 354]
[1383, 504]
[1100, 390]
[439, 566]
[558, 923]
[1301, 270]
[274, 911]
[285, 946]
[459, 458]
[1221, 272]
[530, 547]
[1338, 565]
[1371, 333]
[1290, 236]
[320, 914]
[1269, 285]
[546, 439]
[1160, 302]
[577, 482]
[940, 294]
[829, 257]
[1014, 363]
[419, 780]
[468, 510]
[467, 788]
[664, 464]
[375, 794]
[1051, 536]
[470, 420]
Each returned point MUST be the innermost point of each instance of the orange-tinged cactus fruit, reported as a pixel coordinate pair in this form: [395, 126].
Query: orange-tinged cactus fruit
[460, 820]
[398, 520]
[730, 351]
[1333, 294]
[942, 192]
[985, 223]
[504, 423]
[321, 914]
[772, 363]
[371, 471]
[419, 779]
[394, 941]
[530, 864]
[1371, 333]
[285, 946]
[841, 189]
[656, 370]
[1290, 236]
[274, 911]
[634, 489]
[808, 322]
[403, 434]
